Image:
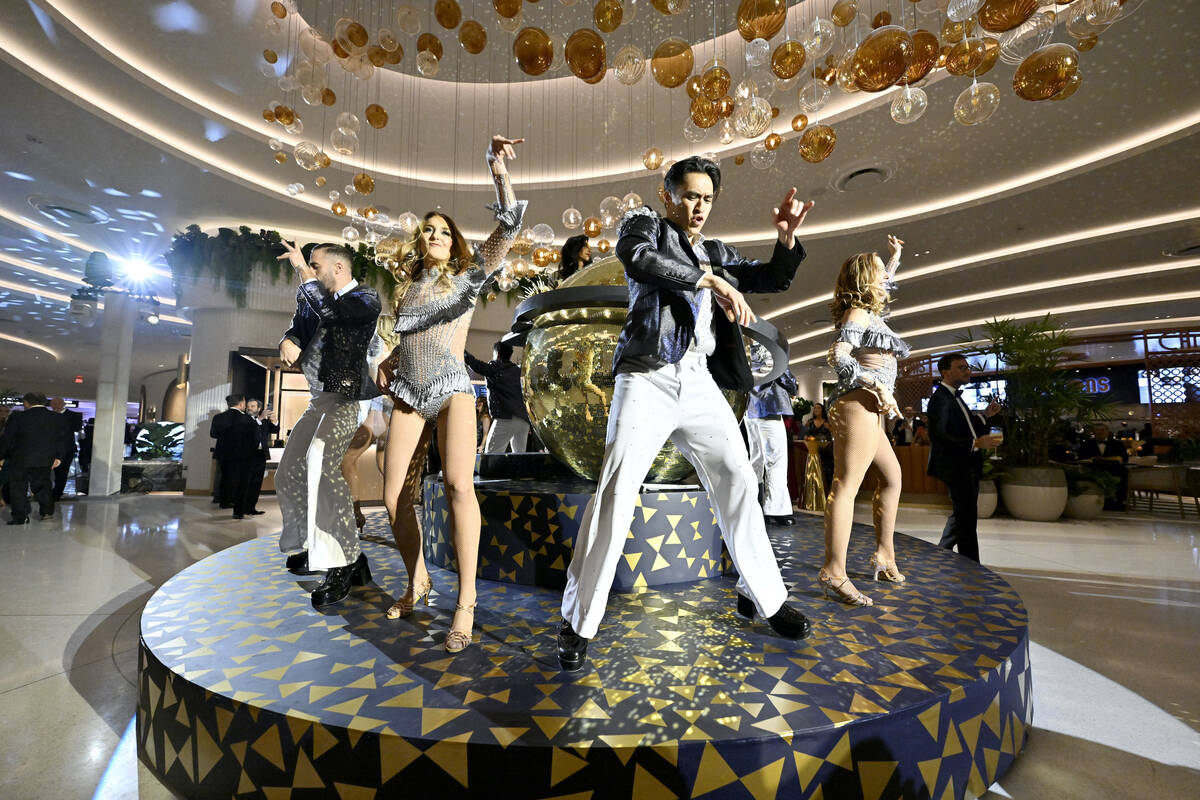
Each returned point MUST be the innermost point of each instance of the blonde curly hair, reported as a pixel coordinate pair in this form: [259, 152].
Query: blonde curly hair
[858, 286]
[410, 261]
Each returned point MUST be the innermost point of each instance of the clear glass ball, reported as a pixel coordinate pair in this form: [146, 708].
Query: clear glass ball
[977, 103]
[813, 96]
[693, 132]
[344, 142]
[348, 122]
[350, 233]
[428, 64]
[408, 223]
[761, 157]
[630, 202]
[572, 219]
[629, 64]
[758, 52]
[909, 105]
[726, 133]
[543, 234]
[752, 118]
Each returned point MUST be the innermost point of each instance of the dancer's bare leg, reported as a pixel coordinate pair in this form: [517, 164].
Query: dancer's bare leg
[404, 436]
[456, 440]
[358, 445]
[856, 430]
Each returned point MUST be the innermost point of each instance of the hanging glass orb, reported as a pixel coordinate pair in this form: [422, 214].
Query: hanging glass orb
[758, 51]
[296, 128]
[407, 224]
[1021, 42]
[338, 208]
[726, 133]
[764, 79]
[319, 181]
[350, 233]
[961, 10]
[909, 105]
[347, 122]
[818, 37]
[610, 211]
[817, 143]
[629, 64]
[631, 202]
[408, 19]
[275, 144]
[844, 11]
[572, 219]
[294, 189]
[344, 142]
[745, 89]
[334, 195]
[752, 118]
[510, 24]
[693, 132]
[307, 155]
[592, 227]
[977, 103]
[364, 183]
[652, 158]
[666, 167]
[543, 233]
[428, 64]
[813, 96]
[761, 157]
[714, 83]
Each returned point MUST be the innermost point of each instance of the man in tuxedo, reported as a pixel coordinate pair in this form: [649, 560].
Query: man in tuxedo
[958, 438]
[1108, 454]
[506, 404]
[332, 332]
[237, 443]
[267, 428]
[73, 425]
[32, 445]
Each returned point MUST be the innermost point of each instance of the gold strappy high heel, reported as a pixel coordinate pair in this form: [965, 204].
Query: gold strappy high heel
[457, 641]
[834, 591]
[887, 569]
[404, 608]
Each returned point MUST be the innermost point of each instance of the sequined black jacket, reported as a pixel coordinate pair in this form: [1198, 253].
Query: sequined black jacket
[335, 334]
[662, 271]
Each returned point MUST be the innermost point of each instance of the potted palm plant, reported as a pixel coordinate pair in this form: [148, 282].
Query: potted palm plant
[1039, 395]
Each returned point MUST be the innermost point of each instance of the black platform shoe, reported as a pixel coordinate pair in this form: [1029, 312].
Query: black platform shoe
[297, 564]
[787, 621]
[338, 581]
[572, 648]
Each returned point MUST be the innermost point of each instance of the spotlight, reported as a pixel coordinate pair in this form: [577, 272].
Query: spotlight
[152, 318]
[136, 270]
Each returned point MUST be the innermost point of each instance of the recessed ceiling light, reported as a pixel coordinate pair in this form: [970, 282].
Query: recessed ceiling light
[1183, 252]
[21, 176]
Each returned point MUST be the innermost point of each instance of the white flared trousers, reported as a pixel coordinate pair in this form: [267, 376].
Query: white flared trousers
[314, 498]
[679, 402]
[768, 456]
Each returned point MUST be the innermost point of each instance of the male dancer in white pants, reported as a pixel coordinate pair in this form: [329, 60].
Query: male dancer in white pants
[331, 333]
[672, 359]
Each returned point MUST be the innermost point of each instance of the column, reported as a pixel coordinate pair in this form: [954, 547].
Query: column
[809, 380]
[112, 394]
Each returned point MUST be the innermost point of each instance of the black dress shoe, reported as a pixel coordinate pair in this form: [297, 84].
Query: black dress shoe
[256, 513]
[238, 516]
[787, 621]
[338, 581]
[19, 521]
[297, 564]
[572, 648]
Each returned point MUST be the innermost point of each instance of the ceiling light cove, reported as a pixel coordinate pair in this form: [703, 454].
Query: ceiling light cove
[29, 343]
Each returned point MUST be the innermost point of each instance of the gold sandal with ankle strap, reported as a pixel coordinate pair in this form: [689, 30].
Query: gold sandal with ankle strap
[457, 641]
[404, 608]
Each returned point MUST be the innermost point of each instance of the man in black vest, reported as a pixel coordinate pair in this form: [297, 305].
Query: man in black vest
[332, 332]
[506, 405]
[680, 345]
[267, 428]
[73, 425]
[237, 443]
[32, 445]
[958, 437]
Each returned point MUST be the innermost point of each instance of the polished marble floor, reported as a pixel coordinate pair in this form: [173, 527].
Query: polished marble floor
[1114, 612]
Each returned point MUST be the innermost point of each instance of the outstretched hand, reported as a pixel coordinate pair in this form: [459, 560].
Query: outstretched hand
[292, 253]
[502, 148]
[895, 245]
[789, 216]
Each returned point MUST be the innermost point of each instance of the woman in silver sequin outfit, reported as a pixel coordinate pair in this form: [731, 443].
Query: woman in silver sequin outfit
[864, 354]
[438, 282]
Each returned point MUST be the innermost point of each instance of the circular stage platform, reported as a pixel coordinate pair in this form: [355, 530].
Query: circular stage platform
[245, 691]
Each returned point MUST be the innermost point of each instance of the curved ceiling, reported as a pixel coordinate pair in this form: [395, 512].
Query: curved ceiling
[150, 112]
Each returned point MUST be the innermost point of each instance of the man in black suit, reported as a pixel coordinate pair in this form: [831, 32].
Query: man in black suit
[74, 424]
[237, 443]
[506, 404]
[267, 428]
[957, 439]
[32, 445]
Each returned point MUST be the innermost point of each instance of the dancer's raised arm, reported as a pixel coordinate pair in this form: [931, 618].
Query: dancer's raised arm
[508, 209]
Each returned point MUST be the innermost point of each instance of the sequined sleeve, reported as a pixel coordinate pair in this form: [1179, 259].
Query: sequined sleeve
[841, 355]
[509, 213]
[889, 271]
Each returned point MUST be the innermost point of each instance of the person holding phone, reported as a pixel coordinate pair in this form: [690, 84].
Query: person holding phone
[958, 438]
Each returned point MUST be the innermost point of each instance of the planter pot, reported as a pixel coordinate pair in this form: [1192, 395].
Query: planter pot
[1087, 504]
[987, 499]
[1038, 494]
